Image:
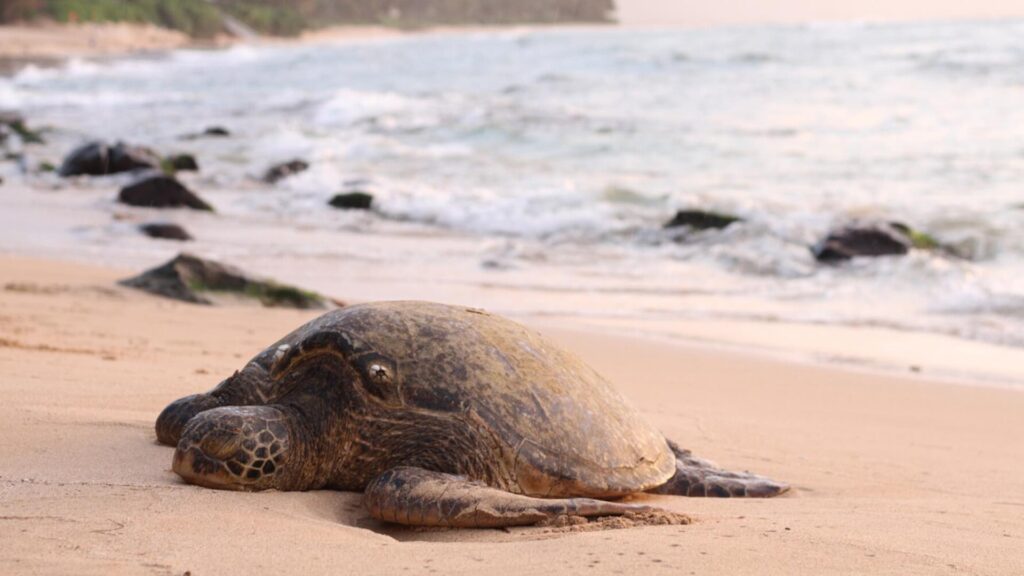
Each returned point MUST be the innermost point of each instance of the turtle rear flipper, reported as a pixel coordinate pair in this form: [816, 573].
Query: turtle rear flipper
[418, 497]
[698, 477]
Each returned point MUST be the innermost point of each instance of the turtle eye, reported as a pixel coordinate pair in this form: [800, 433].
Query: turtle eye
[380, 377]
[379, 373]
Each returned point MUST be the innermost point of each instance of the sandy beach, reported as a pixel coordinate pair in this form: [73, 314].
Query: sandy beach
[890, 475]
[902, 438]
[57, 41]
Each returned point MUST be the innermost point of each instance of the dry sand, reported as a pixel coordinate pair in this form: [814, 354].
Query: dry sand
[890, 475]
[53, 41]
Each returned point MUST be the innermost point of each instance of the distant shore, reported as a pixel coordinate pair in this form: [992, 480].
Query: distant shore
[52, 43]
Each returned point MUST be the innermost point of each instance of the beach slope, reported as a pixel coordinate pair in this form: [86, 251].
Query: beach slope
[890, 475]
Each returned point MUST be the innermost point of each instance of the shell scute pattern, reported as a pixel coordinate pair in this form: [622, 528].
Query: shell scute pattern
[555, 418]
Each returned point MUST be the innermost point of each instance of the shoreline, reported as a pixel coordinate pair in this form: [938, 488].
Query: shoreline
[887, 471]
[51, 44]
[867, 350]
[708, 321]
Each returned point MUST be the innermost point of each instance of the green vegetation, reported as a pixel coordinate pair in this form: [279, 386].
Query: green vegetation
[273, 294]
[918, 239]
[194, 17]
[923, 240]
[268, 293]
[16, 124]
[167, 166]
[201, 18]
[268, 18]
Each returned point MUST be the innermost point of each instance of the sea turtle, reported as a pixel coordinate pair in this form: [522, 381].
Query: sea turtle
[442, 415]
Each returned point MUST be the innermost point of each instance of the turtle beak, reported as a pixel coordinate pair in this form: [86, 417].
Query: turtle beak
[197, 468]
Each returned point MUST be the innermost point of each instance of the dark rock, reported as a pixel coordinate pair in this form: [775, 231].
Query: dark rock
[882, 239]
[193, 279]
[352, 201]
[281, 171]
[210, 132]
[180, 163]
[99, 159]
[155, 190]
[701, 220]
[165, 231]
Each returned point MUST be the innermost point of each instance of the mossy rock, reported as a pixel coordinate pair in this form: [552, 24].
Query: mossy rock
[918, 239]
[179, 163]
[279, 172]
[274, 295]
[190, 278]
[16, 124]
[874, 239]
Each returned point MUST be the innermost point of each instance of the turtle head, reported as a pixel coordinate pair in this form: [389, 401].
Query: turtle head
[236, 448]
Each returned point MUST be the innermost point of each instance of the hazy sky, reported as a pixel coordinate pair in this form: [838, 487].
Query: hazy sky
[701, 12]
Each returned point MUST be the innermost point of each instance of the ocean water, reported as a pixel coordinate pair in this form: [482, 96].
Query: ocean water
[541, 165]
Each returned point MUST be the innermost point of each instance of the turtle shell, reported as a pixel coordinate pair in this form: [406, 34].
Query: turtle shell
[567, 430]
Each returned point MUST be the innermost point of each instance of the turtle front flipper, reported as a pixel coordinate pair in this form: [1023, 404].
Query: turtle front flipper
[698, 477]
[418, 497]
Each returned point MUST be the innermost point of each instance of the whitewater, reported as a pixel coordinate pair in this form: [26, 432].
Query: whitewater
[540, 165]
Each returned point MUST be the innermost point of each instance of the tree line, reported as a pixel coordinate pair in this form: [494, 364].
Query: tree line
[286, 17]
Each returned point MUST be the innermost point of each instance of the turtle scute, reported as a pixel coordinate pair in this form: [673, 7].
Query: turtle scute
[562, 428]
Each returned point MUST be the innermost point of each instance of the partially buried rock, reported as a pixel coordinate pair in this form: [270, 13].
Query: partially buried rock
[156, 190]
[180, 163]
[872, 239]
[281, 171]
[99, 159]
[209, 132]
[193, 279]
[701, 220]
[165, 231]
[352, 201]
[14, 123]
